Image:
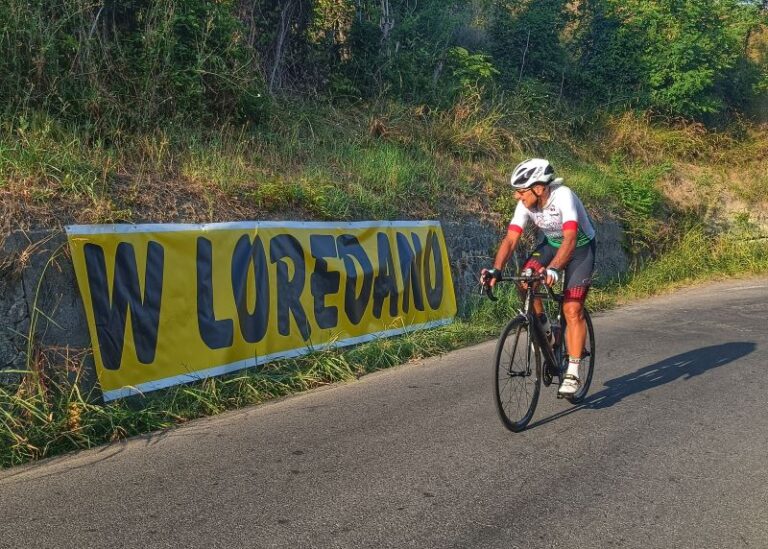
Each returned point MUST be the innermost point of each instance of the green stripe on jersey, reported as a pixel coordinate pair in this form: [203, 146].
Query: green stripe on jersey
[581, 240]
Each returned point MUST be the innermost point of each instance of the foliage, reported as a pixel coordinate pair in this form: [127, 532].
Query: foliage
[691, 50]
[402, 49]
[698, 255]
[684, 58]
[128, 64]
[470, 70]
[526, 40]
[607, 57]
[132, 64]
[646, 230]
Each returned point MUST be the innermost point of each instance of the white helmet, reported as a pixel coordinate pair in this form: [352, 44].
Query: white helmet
[532, 171]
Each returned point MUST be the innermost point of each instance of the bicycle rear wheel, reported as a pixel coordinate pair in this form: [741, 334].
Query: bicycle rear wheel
[587, 365]
[517, 375]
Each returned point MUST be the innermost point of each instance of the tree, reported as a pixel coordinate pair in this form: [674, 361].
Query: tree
[689, 49]
[606, 56]
[401, 48]
[526, 40]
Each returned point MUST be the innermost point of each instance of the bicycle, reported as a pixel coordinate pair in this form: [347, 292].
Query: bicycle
[518, 379]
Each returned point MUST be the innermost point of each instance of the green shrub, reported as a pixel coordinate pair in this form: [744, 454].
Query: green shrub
[129, 64]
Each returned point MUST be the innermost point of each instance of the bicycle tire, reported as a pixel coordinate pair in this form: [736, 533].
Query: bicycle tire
[587, 366]
[517, 375]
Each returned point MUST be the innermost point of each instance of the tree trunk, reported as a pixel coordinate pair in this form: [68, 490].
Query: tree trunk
[275, 77]
[387, 22]
[525, 52]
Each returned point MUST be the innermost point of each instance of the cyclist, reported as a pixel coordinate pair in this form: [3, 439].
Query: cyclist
[568, 246]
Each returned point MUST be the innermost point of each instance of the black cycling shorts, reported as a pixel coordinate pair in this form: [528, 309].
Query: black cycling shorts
[578, 271]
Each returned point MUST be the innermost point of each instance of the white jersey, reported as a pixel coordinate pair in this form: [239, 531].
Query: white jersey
[563, 210]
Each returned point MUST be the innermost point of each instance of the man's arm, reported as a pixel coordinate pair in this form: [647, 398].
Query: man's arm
[509, 242]
[507, 246]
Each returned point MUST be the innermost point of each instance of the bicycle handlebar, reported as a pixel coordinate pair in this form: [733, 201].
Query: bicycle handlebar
[536, 277]
[532, 278]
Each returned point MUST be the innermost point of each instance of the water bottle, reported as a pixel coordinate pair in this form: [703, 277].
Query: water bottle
[555, 334]
[547, 328]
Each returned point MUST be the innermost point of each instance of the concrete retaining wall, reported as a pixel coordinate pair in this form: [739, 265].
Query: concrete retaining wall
[38, 286]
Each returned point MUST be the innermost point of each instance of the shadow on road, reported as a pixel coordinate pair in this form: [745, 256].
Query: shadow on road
[685, 365]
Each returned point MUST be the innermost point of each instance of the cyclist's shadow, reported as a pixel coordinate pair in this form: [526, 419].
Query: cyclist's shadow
[685, 365]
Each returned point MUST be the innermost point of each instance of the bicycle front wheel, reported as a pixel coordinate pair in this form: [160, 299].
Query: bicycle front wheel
[517, 375]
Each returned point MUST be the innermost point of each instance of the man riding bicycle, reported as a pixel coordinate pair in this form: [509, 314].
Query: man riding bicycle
[568, 245]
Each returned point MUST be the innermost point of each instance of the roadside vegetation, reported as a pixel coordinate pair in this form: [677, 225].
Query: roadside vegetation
[195, 111]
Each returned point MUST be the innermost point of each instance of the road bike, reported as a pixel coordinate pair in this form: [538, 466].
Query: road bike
[524, 357]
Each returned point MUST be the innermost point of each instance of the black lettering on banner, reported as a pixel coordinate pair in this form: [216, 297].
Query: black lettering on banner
[322, 281]
[110, 315]
[289, 289]
[253, 325]
[355, 305]
[385, 284]
[217, 334]
[410, 268]
[433, 254]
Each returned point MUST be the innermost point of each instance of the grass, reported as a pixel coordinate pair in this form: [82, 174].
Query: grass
[699, 256]
[381, 161]
[48, 414]
[51, 155]
[302, 165]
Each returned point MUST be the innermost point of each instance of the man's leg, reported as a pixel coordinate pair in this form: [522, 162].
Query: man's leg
[578, 281]
[575, 338]
[576, 334]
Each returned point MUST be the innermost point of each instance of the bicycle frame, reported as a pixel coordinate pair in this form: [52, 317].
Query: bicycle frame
[528, 311]
[533, 291]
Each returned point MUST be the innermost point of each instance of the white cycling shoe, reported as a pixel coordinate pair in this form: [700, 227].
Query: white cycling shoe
[569, 386]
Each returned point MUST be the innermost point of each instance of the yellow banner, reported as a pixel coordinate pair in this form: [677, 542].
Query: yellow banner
[169, 304]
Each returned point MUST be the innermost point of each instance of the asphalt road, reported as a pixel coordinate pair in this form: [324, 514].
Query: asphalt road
[670, 450]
